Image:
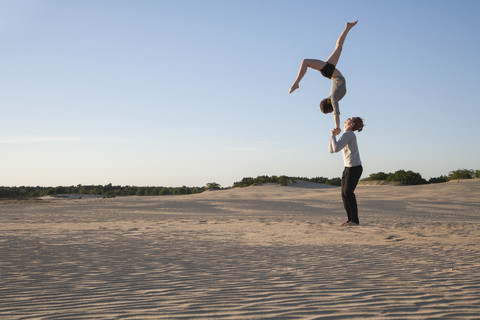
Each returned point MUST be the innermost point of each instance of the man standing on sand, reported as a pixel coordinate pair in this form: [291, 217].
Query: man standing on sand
[347, 143]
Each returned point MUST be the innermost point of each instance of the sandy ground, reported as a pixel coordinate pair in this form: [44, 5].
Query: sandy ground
[265, 252]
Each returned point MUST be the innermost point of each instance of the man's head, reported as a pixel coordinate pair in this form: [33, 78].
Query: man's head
[354, 124]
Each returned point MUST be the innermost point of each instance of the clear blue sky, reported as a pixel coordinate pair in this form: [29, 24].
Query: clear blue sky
[173, 93]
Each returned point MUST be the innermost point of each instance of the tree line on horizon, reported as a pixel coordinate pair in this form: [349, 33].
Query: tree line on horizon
[401, 176]
[283, 180]
[107, 191]
[413, 178]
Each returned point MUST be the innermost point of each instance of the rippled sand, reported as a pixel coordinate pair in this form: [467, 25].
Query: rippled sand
[266, 252]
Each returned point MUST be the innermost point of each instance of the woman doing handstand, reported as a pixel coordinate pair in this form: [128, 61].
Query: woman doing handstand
[329, 70]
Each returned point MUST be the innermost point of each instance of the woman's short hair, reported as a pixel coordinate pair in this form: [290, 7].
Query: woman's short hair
[358, 124]
[326, 105]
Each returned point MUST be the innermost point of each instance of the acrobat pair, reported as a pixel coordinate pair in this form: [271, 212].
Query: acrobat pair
[347, 143]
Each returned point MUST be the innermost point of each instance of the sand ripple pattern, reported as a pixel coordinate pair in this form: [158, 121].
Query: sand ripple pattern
[213, 257]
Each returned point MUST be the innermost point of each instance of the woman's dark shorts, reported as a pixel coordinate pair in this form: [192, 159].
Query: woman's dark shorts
[327, 70]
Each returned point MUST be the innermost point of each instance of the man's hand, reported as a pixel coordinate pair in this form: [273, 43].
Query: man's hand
[336, 131]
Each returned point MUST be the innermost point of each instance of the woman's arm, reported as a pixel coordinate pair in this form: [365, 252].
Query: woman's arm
[336, 117]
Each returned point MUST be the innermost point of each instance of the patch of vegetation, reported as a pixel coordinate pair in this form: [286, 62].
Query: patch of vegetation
[283, 180]
[414, 178]
[398, 177]
[108, 190]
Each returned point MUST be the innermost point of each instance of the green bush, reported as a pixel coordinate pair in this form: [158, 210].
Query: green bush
[213, 186]
[406, 177]
[283, 180]
[438, 179]
[462, 174]
[377, 176]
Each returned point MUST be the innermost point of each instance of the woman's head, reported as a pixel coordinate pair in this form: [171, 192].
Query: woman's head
[326, 105]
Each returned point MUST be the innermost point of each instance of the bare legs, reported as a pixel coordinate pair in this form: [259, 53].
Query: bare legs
[333, 59]
[306, 63]
[319, 64]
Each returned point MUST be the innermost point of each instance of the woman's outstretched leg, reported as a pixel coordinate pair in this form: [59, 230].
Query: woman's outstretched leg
[319, 64]
[306, 63]
[335, 56]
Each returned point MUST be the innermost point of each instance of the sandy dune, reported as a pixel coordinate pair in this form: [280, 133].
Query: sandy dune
[266, 252]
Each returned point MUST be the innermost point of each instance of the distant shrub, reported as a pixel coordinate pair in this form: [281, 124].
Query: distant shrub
[438, 179]
[283, 180]
[462, 174]
[406, 177]
[322, 180]
[400, 176]
[377, 176]
[213, 186]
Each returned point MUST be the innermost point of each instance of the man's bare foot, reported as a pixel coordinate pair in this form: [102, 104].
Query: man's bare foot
[350, 25]
[345, 224]
[293, 88]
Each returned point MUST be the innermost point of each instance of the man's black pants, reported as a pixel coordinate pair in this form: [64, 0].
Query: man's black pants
[350, 178]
